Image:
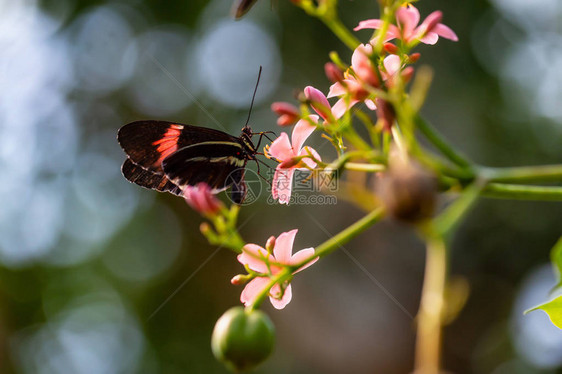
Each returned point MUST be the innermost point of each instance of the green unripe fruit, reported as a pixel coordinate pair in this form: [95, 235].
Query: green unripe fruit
[242, 339]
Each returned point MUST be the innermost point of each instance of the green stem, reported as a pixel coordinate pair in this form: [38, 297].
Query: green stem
[440, 143]
[543, 173]
[358, 142]
[279, 278]
[327, 13]
[430, 314]
[370, 127]
[519, 192]
[448, 220]
[340, 31]
[372, 168]
[343, 237]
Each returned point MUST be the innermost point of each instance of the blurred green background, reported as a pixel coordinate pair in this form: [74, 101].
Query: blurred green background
[100, 276]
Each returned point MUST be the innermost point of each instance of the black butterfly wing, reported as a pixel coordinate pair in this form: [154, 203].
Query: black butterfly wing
[148, 179]
[239, 188]
[148, 143]
[217, 163]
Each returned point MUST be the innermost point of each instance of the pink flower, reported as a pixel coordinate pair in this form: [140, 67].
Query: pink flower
[201, 198]
[351, 89]
[408, 30]
[288, 113]
[268, 264]
[285, 153]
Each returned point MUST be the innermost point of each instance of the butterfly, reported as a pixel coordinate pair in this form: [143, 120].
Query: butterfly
[169, 156]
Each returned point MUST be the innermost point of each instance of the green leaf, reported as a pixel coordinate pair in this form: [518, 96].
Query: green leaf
[556, 259]
[554, 310]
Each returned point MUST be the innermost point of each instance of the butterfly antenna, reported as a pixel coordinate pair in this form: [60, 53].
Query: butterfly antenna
[253, 97]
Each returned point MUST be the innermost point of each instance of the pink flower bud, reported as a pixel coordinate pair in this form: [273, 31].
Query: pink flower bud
[202, 199]
[391, 48]
[239, 280]
[282, 107]
[319, 102]
[285, 120]
[414, 57]
[288, 113]
[270, 244]
[333, 72]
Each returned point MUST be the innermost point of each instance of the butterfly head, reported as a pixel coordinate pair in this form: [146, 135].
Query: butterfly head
[246, 138]
[247, 131]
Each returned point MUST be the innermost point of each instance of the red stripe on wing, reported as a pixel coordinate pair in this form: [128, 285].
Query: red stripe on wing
[168, 144]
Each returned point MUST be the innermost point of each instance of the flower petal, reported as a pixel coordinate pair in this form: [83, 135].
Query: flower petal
[342, 106]
[281, 148]
[283, 248]
[282, 185]
[336, 89]
[392, 64]
[309, 162]
[430, 38]
[369, 24]
[391, 33]
[254, 257]
[360, 54]
[445, 32]
[253, 289]
[370, 104]
[429, 22]
[286, 299]
[302, 255]
[302, 131]
[408, 18]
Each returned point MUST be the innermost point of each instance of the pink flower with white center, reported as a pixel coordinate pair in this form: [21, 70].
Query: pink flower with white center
[201, 198]
[268, 264]
[282, 150]
[407, 18]
[351, 89]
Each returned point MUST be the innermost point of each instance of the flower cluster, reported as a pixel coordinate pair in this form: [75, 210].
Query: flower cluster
[376, 70]
[368, 80]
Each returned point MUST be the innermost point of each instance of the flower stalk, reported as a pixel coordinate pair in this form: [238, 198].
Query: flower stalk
[344, 236]
[430, 314]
